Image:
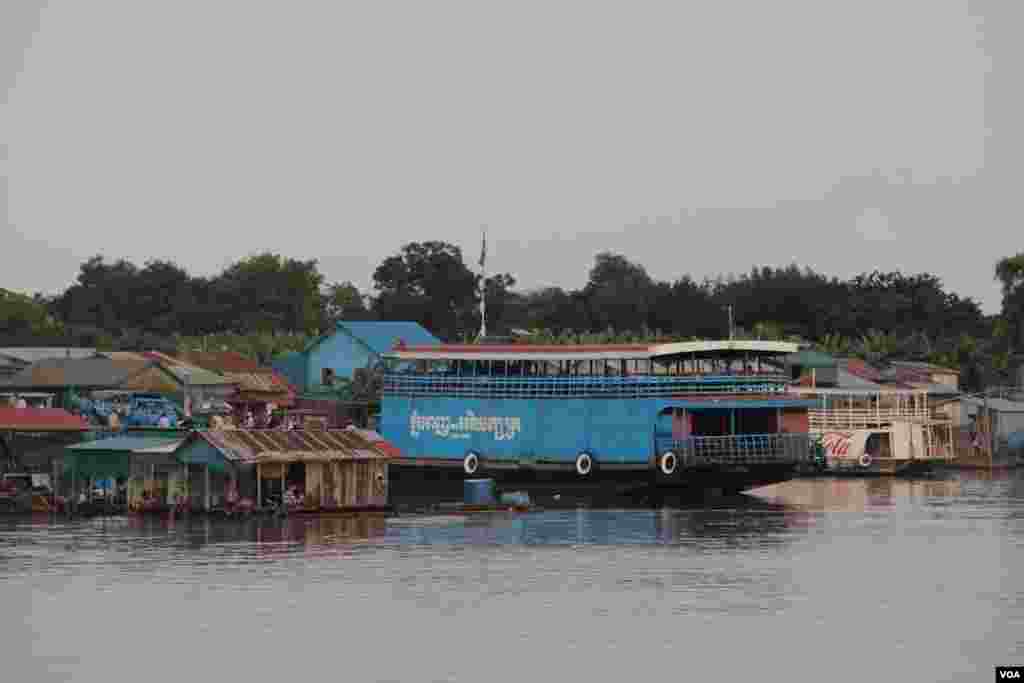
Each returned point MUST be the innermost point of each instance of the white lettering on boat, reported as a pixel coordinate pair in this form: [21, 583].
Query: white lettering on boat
[461, 427]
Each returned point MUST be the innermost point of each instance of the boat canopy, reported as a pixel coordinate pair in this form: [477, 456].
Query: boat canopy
[698, 403]
[594, 352]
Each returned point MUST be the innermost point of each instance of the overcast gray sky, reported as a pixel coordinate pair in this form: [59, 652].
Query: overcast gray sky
[693, 137]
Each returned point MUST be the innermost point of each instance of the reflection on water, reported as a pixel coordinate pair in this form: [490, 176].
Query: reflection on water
[858, 495]
[918, 578]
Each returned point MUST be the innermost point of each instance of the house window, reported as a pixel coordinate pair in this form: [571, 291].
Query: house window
[327, 377]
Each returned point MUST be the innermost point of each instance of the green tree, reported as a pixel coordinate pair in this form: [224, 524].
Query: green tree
[343, 301]
[618, 293]
[21, 315]
[428, 282]
[1010, 273]
[269, 293]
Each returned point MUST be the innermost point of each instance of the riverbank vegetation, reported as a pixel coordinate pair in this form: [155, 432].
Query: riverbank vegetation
[267, 304]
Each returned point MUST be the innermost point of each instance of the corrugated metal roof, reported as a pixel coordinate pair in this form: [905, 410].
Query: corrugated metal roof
[520, 352]
[197, 376]
[40, 420]
[1000, 405]
[267, 382]
[926, 367]
[34, 354]
[268, 445]
[848, 380]
[220, 361]
[811, 359]
[381, 335]
[126, 356]
[84, 372]
[183, 371]
[133, 444]
[861, 369]
[596, 352]
[938, 389]
[378, 440]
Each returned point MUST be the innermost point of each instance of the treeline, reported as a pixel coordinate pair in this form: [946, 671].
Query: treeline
[266, 303]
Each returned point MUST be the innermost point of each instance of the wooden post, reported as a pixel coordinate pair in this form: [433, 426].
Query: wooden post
[206, 487]
[53, 483]
[991, 441]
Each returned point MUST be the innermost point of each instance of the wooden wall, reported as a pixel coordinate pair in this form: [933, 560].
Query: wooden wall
[345, 484]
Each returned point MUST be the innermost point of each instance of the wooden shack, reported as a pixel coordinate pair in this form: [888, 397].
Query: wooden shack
[328, 469]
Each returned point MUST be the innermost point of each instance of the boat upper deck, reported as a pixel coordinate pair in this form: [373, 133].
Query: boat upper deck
[661, 353]
[633, 370]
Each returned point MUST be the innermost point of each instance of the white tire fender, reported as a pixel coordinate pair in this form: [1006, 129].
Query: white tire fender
[584, 464]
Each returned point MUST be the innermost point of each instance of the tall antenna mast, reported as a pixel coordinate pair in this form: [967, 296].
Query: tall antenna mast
[483, 284]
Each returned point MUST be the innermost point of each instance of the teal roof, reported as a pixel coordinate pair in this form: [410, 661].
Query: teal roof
[126, 443]
[380, 335]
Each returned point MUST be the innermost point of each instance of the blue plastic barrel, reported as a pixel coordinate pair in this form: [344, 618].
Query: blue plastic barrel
[515, 498]
[478, 492]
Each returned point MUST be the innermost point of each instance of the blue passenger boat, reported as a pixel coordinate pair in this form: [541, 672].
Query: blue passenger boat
[688, 414]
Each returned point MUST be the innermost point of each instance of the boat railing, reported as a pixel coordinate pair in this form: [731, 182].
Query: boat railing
[741, 449]
[854, 418]
[582, 386]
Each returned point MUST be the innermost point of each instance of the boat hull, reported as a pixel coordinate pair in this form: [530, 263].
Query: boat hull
[877, 468]
[410, 481]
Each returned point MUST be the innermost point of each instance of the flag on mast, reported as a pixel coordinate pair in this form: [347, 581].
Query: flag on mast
[483, 286]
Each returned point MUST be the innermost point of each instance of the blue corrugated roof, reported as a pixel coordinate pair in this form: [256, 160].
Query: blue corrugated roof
[125, 443]
[381, 335]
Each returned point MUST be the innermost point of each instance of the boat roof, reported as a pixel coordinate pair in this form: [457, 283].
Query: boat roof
[584, 352]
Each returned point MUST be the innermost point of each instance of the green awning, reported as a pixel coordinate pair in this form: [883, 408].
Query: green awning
[199, 452]
[97, 464]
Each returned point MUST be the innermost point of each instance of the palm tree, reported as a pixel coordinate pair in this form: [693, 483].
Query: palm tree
[876, 346]
[835, 344]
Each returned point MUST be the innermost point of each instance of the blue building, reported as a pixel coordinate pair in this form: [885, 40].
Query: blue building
[350, 346]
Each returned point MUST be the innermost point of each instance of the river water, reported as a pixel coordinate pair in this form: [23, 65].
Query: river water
[839, 580]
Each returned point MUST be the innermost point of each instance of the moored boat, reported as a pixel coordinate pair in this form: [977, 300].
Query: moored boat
[878, 432]
[707, 414]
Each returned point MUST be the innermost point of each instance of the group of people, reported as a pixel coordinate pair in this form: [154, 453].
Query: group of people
[269, 420]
